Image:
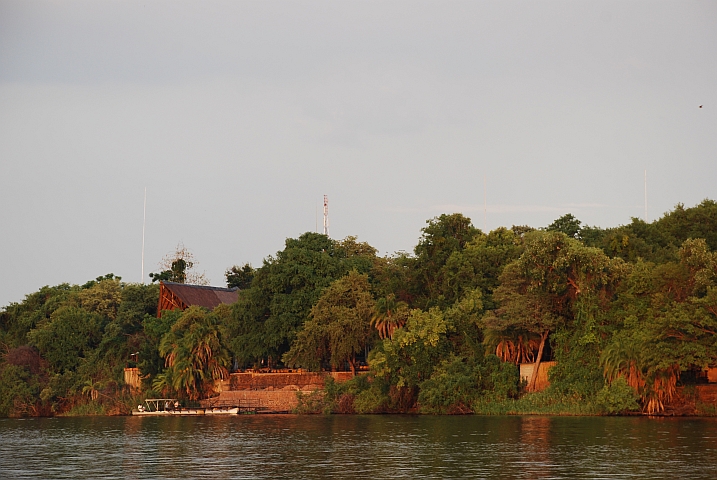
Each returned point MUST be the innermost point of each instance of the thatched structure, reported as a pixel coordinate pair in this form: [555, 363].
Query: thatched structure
[173, 296]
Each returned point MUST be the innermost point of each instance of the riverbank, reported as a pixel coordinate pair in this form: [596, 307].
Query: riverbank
[309, 394]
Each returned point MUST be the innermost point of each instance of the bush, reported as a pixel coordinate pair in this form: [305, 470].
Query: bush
[452, 388]
[18, 391]
[503, 378]
[618, 397]
[577, 372]
[372, 400]
[458, 383]
[312, 403]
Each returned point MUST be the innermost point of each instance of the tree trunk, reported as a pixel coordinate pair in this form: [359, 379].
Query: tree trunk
[352, 366]
[536, 365]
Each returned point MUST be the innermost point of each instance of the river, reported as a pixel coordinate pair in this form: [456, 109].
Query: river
[355, 446]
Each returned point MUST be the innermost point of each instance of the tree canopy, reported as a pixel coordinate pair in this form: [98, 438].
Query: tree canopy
[628, 314]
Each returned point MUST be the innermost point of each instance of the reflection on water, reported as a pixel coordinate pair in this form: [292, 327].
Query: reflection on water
[535, 445]
[266, 446]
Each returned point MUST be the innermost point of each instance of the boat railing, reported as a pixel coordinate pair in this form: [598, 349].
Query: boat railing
[161, 404]
[244, 404]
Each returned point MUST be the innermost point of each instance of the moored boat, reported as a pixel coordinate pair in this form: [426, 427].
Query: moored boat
[171, 406]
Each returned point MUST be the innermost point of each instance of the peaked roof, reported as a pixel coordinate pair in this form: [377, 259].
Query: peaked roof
[204, 296]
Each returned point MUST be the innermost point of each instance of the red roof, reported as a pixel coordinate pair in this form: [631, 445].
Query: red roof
[188, 295]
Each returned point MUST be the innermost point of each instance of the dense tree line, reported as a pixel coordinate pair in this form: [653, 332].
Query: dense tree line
[628, 313]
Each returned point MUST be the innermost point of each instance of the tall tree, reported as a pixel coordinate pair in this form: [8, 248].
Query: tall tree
[479, 264]
[669, 326]
[567, 224]
[554, 279]
[240, 277]
[269, 314]
[443, 236]
[339, 327]
[194, 352]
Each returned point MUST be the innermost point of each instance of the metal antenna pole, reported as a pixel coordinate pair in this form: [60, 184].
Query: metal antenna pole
[645, 195]
[144, 223]
[485, 206]
[326, 215]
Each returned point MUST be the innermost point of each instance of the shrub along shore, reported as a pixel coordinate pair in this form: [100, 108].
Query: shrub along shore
[629, 315]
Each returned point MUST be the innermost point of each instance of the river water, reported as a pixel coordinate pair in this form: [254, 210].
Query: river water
[354, 446]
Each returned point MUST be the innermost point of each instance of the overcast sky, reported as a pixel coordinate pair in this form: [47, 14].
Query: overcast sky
[239, 116]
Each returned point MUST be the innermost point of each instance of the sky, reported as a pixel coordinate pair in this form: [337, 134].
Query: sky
[237, 117]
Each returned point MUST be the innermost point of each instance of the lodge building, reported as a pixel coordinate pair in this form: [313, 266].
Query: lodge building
[180, 296]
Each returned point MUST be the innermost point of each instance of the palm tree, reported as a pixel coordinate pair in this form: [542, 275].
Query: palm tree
[389, 316]
[514, 346]
[92, 389]
[194, 353]
[656, 386]
[163, 383]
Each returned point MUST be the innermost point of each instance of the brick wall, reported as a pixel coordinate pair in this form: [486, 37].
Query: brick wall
[277, 381]
[269, 400]
[274, 392]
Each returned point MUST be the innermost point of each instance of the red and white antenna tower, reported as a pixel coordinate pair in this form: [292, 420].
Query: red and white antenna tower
[326, 215]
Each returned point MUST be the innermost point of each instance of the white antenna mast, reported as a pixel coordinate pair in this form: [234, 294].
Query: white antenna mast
[144, 222]
[326, 215]
[645, 195]
[485, 206]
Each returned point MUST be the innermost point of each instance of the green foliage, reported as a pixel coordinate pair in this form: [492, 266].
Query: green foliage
[177, 273]
[67, 337]
[567, 224]
[683, 223]
[577, 373]
[557, 283]
[443, 236]
[410, 357]
[150, 363]
[618, 397]
[81, 337]
[17, 319]
[547, 402]
[660, 240]
[480, 264]
[392, 276]
[458, 383]
[194, 353]
[464, 316]
[240, 277]
[269, 314]
[312, 403]
[624, 311]
[669, 326]
[19, 391]
[87, 408]
[361, 394]
[374, 399]
[389, 315]
[339, 327]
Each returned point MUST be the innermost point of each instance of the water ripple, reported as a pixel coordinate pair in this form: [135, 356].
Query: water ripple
[396, 447]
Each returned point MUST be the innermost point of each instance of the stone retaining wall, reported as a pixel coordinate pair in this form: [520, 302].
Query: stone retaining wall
[261, 381]
[271, 401]
[273, 392]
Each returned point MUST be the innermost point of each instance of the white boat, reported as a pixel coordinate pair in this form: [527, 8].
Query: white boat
[157, 406]
[222, 411]
[170, 406]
